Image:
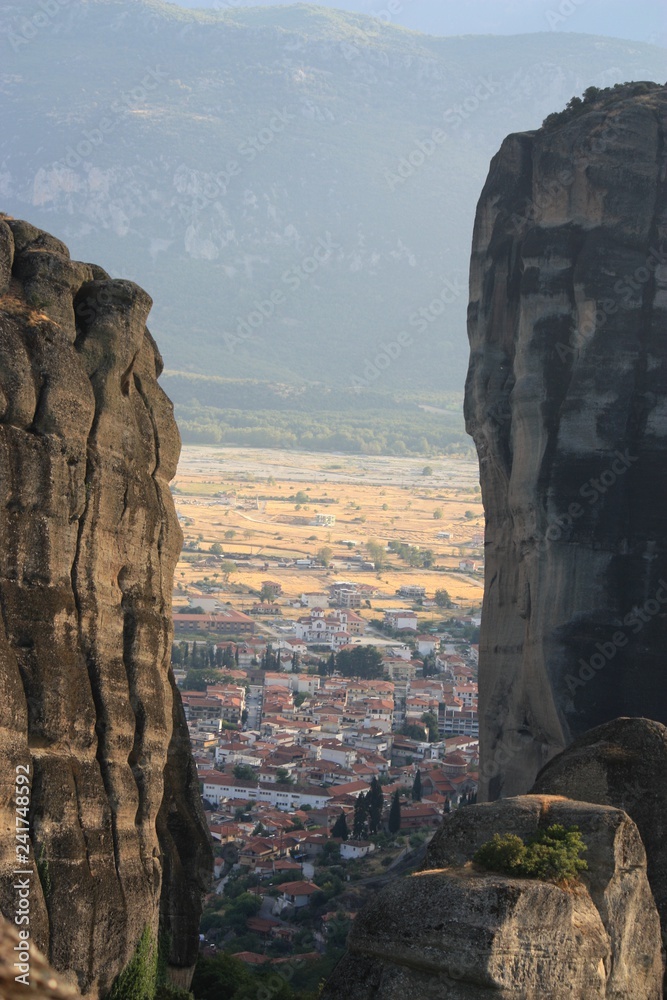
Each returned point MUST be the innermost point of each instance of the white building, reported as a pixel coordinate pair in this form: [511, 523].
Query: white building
[314, 599]
[216, 789]
[324, 520]
[356, 849]
[401, 618]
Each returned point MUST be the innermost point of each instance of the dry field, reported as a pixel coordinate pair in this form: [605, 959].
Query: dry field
[378, 498]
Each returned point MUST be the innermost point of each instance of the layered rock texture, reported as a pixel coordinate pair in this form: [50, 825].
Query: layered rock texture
[90, 539]
[622, 763]
[566, 400]
[451, 931]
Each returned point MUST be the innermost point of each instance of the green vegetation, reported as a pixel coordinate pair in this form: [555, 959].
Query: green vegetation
[138, 980]
[442, 598]
[395, 813]
[406, 430]
[413, 555]
[360, 661]
[552, 855]
[598, 96]
[340, 828]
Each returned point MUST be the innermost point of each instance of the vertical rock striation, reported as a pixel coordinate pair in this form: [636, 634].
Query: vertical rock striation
[566, 400]
[88, 445]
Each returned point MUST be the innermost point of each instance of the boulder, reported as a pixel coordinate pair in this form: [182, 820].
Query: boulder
[624, 764]
[452, 930]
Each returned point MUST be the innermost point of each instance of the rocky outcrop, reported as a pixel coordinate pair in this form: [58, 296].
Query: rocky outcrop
[566, 400]
[40, 983]
[623, 764]
[88, 445]
[452, 931]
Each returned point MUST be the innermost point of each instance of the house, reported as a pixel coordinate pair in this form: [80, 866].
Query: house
[411, 591]
[224, 622]
[351, 849]
[418, 814]
[207, 604]
[398, 669]
[345, 595]
[426, 644]
[295, 895]
[314, 599]
[400, 619]
[467, 565]
[324, 520]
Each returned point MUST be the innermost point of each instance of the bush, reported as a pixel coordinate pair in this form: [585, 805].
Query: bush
[138, 980]
[552, 855]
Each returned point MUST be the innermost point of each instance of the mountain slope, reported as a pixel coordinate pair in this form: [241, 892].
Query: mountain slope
[272, 177]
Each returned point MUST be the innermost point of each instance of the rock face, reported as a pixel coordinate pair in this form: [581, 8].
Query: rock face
[623, 764]
[88, 445]
[449, 931]
[42, 983]
[566, 400]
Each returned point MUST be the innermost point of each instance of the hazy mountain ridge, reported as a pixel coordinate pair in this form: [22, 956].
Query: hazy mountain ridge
[271, 174]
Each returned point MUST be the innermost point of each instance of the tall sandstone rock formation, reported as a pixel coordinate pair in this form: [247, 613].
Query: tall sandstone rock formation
[88, 445]
[566, 400]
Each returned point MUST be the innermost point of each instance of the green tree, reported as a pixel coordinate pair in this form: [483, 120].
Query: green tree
[413, 731]
[244, 772]
[431, 720]
[417, 787]
[227, 567]
[138, 979]
[284, 777]
[222, 976]
[216, 549]
[268, 592]
[360, 816]
[360, 661]
[230, 533]
[324, 555]
[438, 514]
[427, 470]
[377, 553]
[375, 805]
[395, 813]
[340, 827]
[552, 854]
[442, 598]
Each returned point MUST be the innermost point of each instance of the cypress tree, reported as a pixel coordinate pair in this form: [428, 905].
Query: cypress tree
[375, 805]
[417, 787]
[340, 827]
[395, 814]
[360, 816]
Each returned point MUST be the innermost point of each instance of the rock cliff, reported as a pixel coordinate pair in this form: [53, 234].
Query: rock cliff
[88, 445]
[451, 931]
[566, 400]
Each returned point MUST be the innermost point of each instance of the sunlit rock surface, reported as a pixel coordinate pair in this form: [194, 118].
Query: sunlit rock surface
[89, 541]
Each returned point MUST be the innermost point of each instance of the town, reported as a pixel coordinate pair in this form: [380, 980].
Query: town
[332, 727]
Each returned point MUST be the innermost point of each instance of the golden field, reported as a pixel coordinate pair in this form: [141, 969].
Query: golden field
[380, 498]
